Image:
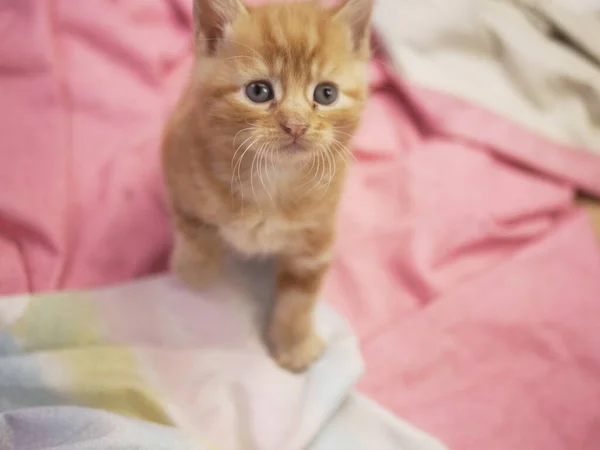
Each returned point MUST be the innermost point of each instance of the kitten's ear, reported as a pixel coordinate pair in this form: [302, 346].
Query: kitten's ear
[212, 18]
[357, 14]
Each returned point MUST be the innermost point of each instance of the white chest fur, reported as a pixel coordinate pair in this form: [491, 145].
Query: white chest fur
[260, 236]
[265, 229]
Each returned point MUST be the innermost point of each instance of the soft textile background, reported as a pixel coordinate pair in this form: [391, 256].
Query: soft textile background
[468, 273]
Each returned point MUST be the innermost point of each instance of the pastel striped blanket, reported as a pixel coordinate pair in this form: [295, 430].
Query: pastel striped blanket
[151, 365]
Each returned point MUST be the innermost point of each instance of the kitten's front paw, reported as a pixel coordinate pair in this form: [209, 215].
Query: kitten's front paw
[295, 355]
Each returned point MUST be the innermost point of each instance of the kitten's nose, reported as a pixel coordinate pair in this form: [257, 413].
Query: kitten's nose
[294, 129]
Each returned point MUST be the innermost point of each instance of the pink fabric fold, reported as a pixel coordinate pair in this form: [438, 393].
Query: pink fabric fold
[469, 274]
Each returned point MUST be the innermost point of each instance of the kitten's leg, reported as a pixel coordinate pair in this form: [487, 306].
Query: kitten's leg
[291, 336]
[197, 255]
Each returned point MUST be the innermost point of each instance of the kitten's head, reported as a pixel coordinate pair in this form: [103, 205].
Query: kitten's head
[287, 80]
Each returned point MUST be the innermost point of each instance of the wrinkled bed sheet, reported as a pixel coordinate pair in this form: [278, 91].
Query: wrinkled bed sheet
[467, 272]
[152, 365]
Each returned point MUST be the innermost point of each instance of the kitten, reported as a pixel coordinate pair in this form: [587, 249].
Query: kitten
[255, 153]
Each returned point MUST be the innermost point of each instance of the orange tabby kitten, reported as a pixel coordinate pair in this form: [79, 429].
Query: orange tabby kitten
[254, 154]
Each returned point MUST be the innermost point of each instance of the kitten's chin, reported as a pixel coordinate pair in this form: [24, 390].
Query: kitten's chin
[294, 152]
[293, 148]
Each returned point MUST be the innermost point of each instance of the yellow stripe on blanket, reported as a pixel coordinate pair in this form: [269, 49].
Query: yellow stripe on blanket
[79, 361]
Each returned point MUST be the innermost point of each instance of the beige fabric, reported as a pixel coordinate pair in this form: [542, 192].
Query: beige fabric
[592, 206]
[534, 61]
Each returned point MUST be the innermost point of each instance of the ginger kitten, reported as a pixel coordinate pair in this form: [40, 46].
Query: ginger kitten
[255, 153]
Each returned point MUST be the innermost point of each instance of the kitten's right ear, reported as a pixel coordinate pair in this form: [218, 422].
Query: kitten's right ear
[357, 14]
[212, 19]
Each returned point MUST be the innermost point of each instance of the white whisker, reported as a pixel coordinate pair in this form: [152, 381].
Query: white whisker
[252, 180]
[341, 148]
[237, 149]
[320, 171]
[239, 165]
[312, 167]
[263, 161]
[271, 151]
[333, 169]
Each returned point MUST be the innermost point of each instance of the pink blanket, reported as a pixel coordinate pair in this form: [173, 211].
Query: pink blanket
[469, 275]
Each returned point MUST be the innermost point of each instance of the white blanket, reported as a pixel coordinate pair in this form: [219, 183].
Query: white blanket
[535, 62]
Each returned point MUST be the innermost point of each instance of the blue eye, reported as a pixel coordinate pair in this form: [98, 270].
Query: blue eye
[260, 91]
[325, 94]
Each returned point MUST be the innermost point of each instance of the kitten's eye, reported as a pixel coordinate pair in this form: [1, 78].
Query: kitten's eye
[325, 94]
[259, 91]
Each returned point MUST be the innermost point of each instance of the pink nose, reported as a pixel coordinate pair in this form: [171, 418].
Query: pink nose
[293, 129]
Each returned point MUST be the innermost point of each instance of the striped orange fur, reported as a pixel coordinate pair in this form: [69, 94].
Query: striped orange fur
[264, 177]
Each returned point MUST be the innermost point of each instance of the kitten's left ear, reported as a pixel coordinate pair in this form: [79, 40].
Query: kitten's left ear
[212, 18]
[357, 14]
